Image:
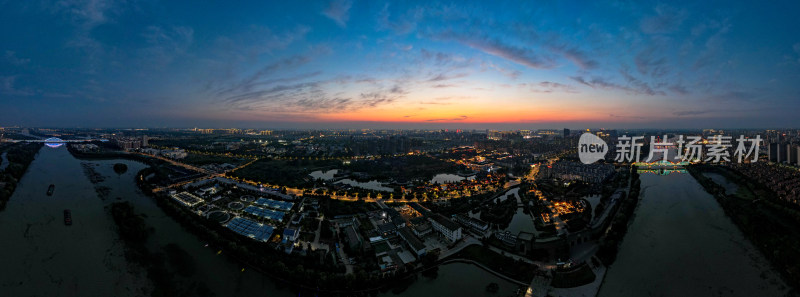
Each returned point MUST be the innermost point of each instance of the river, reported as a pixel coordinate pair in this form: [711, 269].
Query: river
[520, 222]
[680, 243]
[41, 256]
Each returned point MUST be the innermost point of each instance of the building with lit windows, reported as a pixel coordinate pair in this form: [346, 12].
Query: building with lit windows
[446, 227]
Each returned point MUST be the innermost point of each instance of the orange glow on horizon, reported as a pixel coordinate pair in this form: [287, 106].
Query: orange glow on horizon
[462, 115]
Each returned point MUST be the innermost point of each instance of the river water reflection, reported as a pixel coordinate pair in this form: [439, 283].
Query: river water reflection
[41, 256]
[680, 243]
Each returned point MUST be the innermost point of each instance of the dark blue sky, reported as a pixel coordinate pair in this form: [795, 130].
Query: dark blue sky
[350, 64]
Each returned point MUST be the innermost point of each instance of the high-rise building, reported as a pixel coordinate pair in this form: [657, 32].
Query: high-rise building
[797, 156]
[791, 153]
[774, 152]
[783, 153]
[566, 132]
[144, 141]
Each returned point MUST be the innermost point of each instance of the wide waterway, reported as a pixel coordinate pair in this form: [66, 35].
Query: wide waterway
[43, 257]
[680, 243]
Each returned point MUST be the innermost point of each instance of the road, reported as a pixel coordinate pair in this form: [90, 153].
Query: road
[346, 260]
[173, 162]
[208, 175]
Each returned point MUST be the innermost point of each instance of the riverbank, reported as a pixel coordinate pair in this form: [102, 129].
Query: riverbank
[109, 155]
[762, 221]
[18, 157]
[610, 241]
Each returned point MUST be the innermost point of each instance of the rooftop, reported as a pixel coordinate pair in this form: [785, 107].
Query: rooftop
[447, 223]
[412, 239]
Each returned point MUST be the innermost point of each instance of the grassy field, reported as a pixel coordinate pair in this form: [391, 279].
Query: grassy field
[291, 173]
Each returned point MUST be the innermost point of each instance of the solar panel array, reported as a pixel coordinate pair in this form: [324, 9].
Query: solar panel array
[265, 213]
[279, 205]
[257, 231]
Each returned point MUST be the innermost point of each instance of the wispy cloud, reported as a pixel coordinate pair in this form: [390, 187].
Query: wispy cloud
[314, 96]
[576, 56]
[442, 86]
[494, 46]
[626, 117]
[255, 80]
[88, 13]
[164, 44]
[597, 82]
[322, 103]
[649, 63]
[679, 89]
[339, 11]
[12, 58]
[459, 118]
[444, 76]
[736, 95]
[550, 87]
[8, 87]
[441, 59]
[684, 113]
[400, 25]
[639, 86]
[85, 16]
[666, 20]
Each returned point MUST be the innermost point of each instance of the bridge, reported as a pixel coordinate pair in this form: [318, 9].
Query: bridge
[55, 140]
[52, 141]
[662, 163]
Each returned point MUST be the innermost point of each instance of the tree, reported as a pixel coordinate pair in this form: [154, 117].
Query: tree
[120, 168]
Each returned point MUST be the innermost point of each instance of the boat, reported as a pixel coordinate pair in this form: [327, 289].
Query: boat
[51, 189]
[67, 217]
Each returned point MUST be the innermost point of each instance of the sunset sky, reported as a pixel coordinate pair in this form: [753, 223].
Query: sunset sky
[362, 64]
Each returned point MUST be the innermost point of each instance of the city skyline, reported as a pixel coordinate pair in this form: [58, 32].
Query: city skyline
[399, 148]
[355, 64]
